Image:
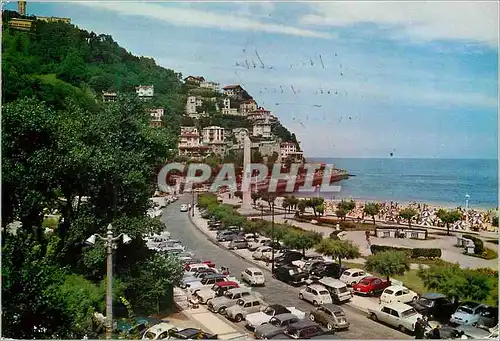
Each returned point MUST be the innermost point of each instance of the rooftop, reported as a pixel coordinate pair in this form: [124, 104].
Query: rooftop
[234, 86]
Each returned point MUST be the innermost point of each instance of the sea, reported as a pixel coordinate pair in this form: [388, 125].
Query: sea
[443, 182]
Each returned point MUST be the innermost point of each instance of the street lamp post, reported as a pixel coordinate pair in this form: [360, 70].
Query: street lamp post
[272, 242]
[111, 244]
[192, 206]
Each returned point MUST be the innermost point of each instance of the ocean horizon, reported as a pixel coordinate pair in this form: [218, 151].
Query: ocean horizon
[443, 182]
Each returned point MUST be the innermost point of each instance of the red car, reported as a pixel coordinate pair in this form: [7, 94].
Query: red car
[198, 261]
[370, 286]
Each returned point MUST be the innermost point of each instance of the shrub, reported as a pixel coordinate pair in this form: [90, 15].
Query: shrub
[478, 244]
[347, 225]
[412, 253]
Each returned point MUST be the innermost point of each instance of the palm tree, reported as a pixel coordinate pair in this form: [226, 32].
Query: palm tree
[408, 214]
[449, 217]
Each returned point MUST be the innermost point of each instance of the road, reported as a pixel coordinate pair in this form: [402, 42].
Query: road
[275, 292]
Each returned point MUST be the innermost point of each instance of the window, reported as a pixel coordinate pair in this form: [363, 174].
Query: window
[399, 293]
[406, 291]
[237, 296]
[355, 274]
[314, 292]
[163, 335]
[256, 303]
[394, 313]
[414, 235]
[386, 310]
[247, 305]
[376, 282]
[308, 289]
[248, 272]
[388, 292]
[386, 234]
[245, 294]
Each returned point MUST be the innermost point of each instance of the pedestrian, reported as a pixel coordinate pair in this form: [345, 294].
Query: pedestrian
[419, 329]
[436, 334]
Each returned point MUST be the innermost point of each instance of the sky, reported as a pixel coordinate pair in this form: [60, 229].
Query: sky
[350, 79]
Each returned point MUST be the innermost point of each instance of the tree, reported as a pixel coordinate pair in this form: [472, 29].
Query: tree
[270, 198]
[277, 234]
[255, 196]
[238, 194]
[314, 203]
[320, 209]
[372, 209]
[338, 249]
[408, 214]
[299, 240]
[452, 281]
[341, 213]
[302, 204]
[494, 221]
[285, 204]
[388, 263]
[448, 217]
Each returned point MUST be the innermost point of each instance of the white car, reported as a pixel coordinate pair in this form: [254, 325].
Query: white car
[206, 282]
[259, 253]
[262, 241]
[253, 276]
[397, 314]
[158, 331]
[184, 208]
[265, 314]
[316, 294]
[353, 276]
[193, 268]
[397, 293]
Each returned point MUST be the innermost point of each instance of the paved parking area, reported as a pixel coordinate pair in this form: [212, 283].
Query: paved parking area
[275, 291]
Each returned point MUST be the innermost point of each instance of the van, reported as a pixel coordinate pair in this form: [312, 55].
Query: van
[338, 289]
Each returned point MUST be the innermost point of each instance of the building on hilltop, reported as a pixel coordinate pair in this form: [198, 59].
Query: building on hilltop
[236, 92]
[157, 117]
[214, 137]
[108, 97]
[21, 7]
[262, 114]
[194, 79]
[21, 24]
[248, 106]
[227, 110]
[145, 92]
[189, 144]
[54, 19]
[262, 128]
[209, 85]
[288, 150]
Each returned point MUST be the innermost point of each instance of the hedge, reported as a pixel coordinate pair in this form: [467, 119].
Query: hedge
[412, 253]
[478, 243]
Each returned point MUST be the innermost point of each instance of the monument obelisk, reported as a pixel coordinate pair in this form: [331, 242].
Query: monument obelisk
[247, 194]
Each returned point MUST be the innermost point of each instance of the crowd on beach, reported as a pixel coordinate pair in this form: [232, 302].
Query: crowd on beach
[426, 215]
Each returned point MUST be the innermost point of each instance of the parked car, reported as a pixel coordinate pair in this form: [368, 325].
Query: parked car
[277, 325]
[236, 244]
[184, 208]
[321, 269]
[488, 318]
[288, 257]
[315, 294]
[198, 261]
[217, 290]
[260, 251]
[266, 313]
[290, 274]
[474, 333]
[338, 290]
[467, 313]
[435, 306]
[396, 314]
[353, 276]
[398, 293]
[253, 276]
[308, 330]
[198, 276]
[191, 269]
[251, 237]
[191, 334]
[226, 235]
[330, 315]
[262, 241]
[207, 281]
[220, 304]
[243, 307]
[370, 286]
[136, 327]
[159, 331]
